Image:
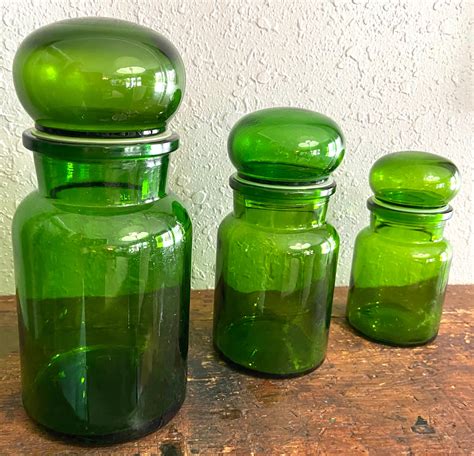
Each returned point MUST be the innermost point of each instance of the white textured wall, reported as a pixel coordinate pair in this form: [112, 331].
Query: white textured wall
[394, 74]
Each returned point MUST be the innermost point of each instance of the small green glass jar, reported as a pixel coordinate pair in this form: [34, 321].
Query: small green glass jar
[401, 261]
[276, 254]
[102, 249]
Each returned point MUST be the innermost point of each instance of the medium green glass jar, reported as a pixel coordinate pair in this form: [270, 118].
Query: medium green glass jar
[276, 265]
[401, 261]
[276, 255]
[102, 259]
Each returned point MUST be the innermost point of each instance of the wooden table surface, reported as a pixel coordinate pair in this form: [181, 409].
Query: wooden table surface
[365, 399]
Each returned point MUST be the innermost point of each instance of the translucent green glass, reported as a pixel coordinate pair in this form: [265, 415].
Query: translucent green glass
[276, 264]
[98, 75]
[102, 250]
[416, 179]
[102, 262]
[399, 275]
[286, 145]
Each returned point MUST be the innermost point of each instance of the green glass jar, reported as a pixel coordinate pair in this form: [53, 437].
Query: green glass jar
[276, 256]
[275, 273]
[401, 261]
[102, 263]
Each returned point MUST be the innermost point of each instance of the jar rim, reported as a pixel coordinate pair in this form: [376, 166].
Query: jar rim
[322, 189]
[70, 147]
[409, 214]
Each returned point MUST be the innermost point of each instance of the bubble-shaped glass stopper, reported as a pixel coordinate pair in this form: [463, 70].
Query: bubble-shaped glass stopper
[286, 145]
[415, 179]
[98, 75]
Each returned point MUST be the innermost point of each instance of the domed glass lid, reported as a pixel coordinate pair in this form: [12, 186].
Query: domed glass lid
[98, 76]
[415, 179]
[286, 145]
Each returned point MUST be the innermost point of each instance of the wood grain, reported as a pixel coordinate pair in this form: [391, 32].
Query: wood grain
[365, 399]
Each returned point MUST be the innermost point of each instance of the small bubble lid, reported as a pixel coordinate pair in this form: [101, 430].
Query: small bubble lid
[286, 145]
[415, 179]
[98, 76]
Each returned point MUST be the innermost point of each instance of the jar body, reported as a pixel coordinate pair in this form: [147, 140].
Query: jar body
[398, 282]
[103, 305]
[274, 288]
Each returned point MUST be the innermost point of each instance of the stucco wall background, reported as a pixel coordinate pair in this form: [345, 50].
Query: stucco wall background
[394, 74]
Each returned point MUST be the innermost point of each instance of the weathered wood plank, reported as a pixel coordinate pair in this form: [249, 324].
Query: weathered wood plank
[365, 399]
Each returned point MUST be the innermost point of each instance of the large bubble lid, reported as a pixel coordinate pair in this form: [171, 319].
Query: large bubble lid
[98, 76]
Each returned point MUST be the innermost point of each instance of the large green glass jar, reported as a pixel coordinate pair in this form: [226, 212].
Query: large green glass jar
[401, 261]
[102, 262]
[276, 254]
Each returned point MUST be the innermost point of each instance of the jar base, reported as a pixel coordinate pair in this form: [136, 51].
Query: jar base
[113, 438]
[390, 343]
[262, 374]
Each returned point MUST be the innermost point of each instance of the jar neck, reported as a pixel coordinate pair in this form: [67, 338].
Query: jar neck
[409, 228]
[99, 183]
[281, 214]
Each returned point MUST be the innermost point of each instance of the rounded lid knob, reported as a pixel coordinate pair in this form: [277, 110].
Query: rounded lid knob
[98, 76]
[286, 145]
[416, 179]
